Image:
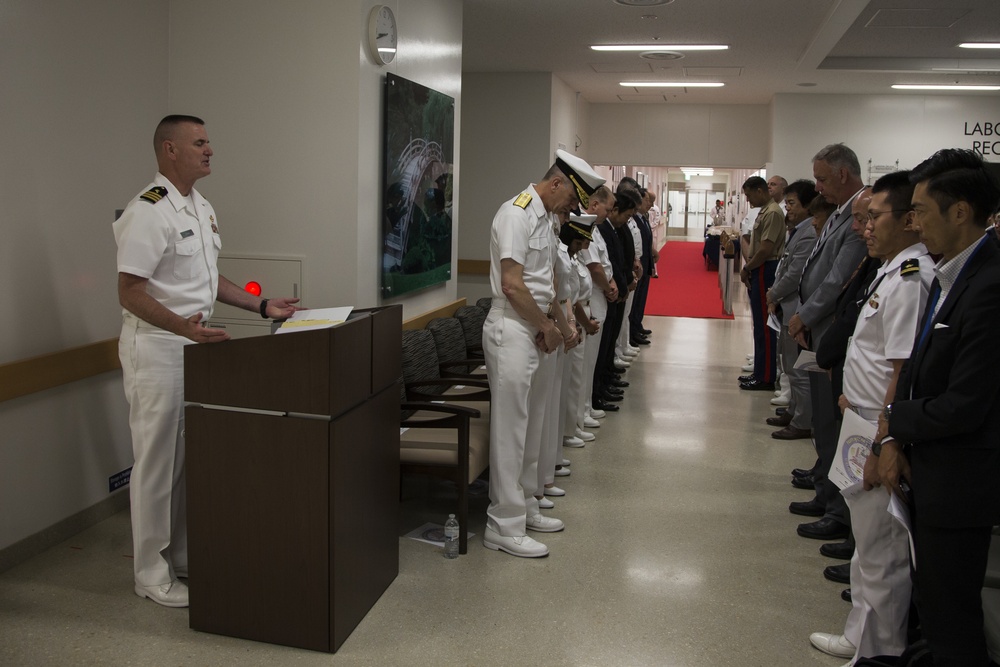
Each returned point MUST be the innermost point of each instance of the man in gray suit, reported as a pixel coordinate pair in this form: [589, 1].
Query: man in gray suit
[828, 268]
[784, 296]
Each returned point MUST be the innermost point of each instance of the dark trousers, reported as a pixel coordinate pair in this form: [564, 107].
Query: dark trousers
[950, 568]
[765, 339]
[639, 306]
[606, 353]
[826, 435]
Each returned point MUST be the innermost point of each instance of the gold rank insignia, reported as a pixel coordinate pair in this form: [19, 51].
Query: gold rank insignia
[909, 266]
[154, 195]
[873, 302]
[523, 200]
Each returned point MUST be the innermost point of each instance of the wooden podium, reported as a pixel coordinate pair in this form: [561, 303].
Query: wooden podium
[293, 496]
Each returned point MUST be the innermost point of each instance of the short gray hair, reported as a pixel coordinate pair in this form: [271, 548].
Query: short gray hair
[839, 156]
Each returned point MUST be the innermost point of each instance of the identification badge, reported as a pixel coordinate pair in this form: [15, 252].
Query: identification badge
[187, 233]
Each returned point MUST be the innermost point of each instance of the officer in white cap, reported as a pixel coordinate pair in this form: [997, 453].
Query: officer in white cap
[523, 328]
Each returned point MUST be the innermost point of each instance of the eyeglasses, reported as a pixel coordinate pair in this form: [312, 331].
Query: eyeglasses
[875, 215]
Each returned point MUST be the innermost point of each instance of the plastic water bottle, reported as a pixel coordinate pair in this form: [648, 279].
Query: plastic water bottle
[451, 537]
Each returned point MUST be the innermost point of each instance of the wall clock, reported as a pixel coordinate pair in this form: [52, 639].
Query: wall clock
[382, 34]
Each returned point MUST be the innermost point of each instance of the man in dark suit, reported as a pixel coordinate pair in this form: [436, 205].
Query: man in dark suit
[941, 434]
[837, 253]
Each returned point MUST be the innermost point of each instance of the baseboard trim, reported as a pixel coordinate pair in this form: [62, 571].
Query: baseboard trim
[57, 533]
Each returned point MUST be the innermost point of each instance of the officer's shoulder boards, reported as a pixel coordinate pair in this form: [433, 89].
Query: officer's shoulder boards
[154, 195]
[522, 200]
[909, 266]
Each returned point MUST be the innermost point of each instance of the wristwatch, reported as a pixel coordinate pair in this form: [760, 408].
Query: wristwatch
[877, 448]
[887, 411]
[263, 308]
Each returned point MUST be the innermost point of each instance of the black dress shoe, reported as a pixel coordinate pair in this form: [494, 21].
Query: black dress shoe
[639, 341]
[842, 550]
[757, 385]
[839, 573]
[613, 390]
[598, 404]
[824, 529]
[744, 378]
[792, 433]
[802, 472]
[783, 420]
[845, 595]
[610, 398]
[619, 383]
[645, 332]
[806, 482]
[781, 411]
[809, 508]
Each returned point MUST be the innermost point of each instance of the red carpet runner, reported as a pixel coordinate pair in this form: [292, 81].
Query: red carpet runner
[685, 287]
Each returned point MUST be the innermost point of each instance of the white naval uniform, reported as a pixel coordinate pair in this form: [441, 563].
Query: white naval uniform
[880, 570]
[519, 373]
[597, 253]
[574, 376]
[173, 243]
[567, 289]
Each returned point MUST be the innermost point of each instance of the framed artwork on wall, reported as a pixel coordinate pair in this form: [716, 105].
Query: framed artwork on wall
[419, 136]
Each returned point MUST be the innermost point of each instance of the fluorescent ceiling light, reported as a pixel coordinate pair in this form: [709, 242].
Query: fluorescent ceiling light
[698, 171]
[961, 70]
[660, 47]
[906, 86]
[979, 45]
[671, 84]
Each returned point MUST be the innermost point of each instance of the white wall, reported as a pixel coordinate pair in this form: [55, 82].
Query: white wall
[883, 128]
[689, 135]
[293, 105]
[81, 83]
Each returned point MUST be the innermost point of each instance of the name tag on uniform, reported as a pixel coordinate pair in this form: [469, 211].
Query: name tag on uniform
[187, 233]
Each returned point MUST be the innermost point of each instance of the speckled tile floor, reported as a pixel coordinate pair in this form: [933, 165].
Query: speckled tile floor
[679, 550]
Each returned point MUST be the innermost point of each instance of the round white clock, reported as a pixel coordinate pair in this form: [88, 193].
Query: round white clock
[382, 35]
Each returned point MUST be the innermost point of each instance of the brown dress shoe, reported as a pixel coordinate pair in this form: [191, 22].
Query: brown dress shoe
[783, 420]
[791, 433]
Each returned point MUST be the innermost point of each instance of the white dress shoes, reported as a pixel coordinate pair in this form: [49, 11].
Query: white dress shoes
[748, 367]
[546, 524]
[545, 504]
[564, 462]
[173, 594]
[522, 545]
[572, 441]
[562, 472]
[586, 436]
[590, 422]
[832, 644]
[598, 414]
[783, 400]
[553, 491]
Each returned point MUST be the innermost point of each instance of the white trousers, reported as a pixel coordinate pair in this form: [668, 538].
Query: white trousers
[550, 447]
[880, 578]
[572, 402]
[520, 377]
[153, 372]
[624, 335]
[598, 311]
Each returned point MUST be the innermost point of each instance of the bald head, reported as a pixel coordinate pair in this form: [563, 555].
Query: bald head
[776, 187]
[859, 211]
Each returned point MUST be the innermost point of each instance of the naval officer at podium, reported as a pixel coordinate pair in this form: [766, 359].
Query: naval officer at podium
[168, 243]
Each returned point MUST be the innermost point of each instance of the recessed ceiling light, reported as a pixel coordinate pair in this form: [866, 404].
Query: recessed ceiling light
[660, 47]
[642, 3]
[909, 86]
[661, 55]
[979, 45]
[805, 85]
[671, 84]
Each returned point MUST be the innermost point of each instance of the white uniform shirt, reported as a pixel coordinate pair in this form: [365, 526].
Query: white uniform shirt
[597, 253]
[524, 235]
[653, 216]
[886, 328]
[747, 225]
[586, 282]
[568, 279]
[633, 227]
[173, 243]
